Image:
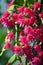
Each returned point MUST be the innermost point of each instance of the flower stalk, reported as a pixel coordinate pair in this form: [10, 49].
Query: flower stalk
[25, 2]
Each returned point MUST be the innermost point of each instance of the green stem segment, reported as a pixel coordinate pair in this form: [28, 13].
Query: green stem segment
[13, 1]
[17, 33]
[13, 59]
[19, 58]
[25, 2]
[39, 1]
[26, 62]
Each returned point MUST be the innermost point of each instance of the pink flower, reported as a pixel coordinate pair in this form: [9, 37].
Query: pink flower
[17, 49]
[7, 22]
[21, 32]
[41, 37]
[41, 27]
[6, 14]
[27, 21]
[37, 47]
[28, 29]
[4, 21]
[37, 5]
[8, 45]
[33, 19]
[30, 55]
[40, 54]
[10, 36]
[30, 38]
[10, 24]
[27, 51]
[0, 20]
[29, 11]
[41, 15]
[20, 15]
[22, 39]
[36, 61]
[15, 16]
[21, 22]
[20, 9]
[26, 48]
[32, 13]
[37, 32]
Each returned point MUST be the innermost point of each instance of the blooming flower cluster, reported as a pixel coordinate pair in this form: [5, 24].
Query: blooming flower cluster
[30, 32]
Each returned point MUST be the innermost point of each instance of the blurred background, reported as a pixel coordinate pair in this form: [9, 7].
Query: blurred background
[3, 31]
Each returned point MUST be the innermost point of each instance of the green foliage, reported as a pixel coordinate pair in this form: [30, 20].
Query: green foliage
[10, 9]
[13, 58]
[2, 35]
